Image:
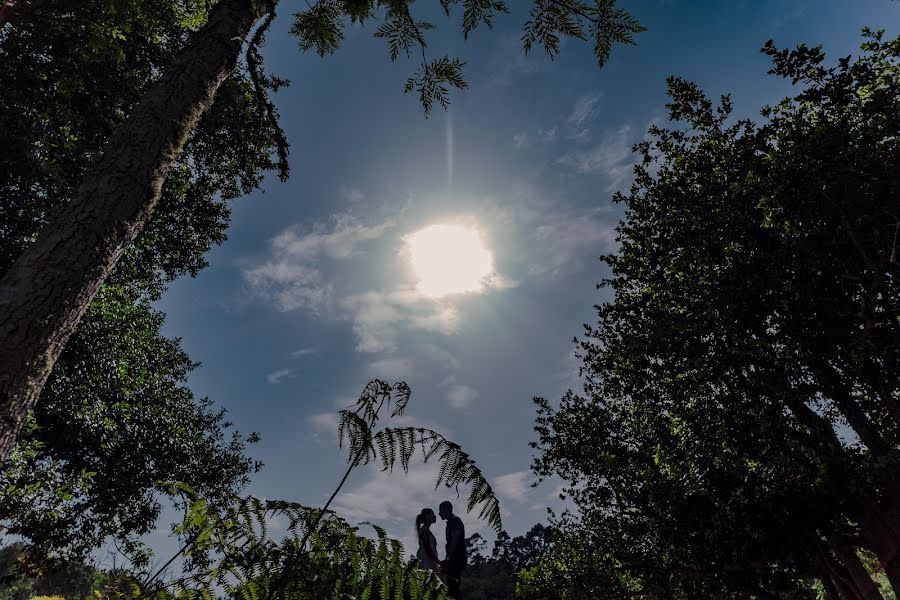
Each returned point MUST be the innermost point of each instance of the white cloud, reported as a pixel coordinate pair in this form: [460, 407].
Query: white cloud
[521, 140]
[574, 125]
[279, 375]
[324, 426]
[567, 239]
[289, 286]
[350, 194]
[459, 395]
[304, 352]
[582, 136]
[613, 156]
[395, 369]
[509, 62]
[324, 421]
[440, 356]
[377, 316]
[547, 135]
[584, 110]
[513, 487]
[292, 278]
[339, 240]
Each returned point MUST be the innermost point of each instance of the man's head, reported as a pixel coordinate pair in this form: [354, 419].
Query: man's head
[445, 509]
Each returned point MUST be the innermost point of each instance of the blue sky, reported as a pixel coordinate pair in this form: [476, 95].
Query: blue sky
[312, 294]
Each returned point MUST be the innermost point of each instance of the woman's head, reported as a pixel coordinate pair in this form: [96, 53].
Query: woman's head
[426, 517]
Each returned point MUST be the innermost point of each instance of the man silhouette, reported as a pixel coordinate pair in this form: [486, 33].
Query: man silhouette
[455, 561]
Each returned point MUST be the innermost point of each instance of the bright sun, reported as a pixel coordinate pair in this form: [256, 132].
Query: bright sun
[449, 259]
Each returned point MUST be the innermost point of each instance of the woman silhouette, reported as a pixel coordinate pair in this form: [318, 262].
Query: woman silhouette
[427, 553]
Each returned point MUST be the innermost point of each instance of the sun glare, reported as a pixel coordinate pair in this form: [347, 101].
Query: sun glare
[449, 259]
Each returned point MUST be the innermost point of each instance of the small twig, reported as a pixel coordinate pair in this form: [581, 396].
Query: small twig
[893, 258]
[574, 9]
[264, 106]
[419, 37]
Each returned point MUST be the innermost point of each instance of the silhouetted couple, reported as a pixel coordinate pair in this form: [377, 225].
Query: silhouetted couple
[450, 569]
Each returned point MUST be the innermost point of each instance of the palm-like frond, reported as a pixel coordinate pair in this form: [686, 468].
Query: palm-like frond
[398, 445]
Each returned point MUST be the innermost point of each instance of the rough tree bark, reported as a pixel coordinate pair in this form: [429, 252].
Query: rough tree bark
[861, 579]
[46, 291]
[879, 525]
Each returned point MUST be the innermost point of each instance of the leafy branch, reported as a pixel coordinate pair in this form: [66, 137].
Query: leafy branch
[321, 28]
[607, 25]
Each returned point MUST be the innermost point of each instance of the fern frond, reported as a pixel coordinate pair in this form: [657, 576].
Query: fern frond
[455, 466]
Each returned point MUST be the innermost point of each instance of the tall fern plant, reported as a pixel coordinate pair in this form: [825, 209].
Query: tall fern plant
[228, 551]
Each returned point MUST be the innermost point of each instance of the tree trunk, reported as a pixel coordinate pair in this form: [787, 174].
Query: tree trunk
[879, 525]
[46, 291]
[6, 12]
[831, 592]
[838, 391]
[840, 578]
[855, 569]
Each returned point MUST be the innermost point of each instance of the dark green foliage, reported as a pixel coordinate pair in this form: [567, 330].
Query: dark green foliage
[428, 79]
[22, 580]
[608, 25]
[738, 431]
[116, 416]
[116, 419]
[494, 576]
[321, 28]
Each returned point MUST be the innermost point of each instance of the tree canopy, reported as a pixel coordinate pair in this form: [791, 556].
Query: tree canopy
[738, 428]
[116, 417]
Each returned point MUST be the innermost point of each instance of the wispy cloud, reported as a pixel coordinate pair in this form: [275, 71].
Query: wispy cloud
[585, 110]
[509, 62]
[523, 139]
[514, 487]
[377, 317]
[393, 369]
[291, 278]
[612, 156]
[569, 239]
[339, 239]
[574, 126]
[458, 395]
[304, 352]
[350, 194]
[278, 376]
[441, 357]
[289, 286]
[324, 427]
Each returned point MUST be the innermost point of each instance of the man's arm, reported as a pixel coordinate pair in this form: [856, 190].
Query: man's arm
[455, 540]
